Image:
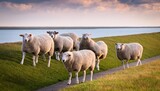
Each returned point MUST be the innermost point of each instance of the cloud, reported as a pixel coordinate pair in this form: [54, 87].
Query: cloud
[144, 5]
[101, 5]
[21, 7]
[137, 2]
[26, 1]
[151, 7]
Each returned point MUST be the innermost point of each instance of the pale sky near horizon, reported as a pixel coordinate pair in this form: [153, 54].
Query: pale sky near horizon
[79, 13]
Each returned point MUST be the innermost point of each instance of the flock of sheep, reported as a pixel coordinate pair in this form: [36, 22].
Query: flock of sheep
[77, 55]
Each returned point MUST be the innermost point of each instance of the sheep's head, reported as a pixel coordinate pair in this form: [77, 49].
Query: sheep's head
[86, 36]
[66, 56]
[26, 37]
[119, 46]
[52, 34]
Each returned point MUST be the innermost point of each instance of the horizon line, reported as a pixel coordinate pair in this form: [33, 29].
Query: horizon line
[72, 27]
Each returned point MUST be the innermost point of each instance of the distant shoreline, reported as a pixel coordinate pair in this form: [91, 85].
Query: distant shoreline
[19, 28]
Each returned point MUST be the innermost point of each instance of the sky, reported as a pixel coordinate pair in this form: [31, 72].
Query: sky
[59, 13]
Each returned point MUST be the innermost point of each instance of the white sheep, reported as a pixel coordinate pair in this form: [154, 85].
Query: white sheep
[100, 48]
[75, 39]
[62, 43]
[129, 51]
[79, 61]
[35, 45]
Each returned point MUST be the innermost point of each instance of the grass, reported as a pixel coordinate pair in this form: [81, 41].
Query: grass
[16, 77]
[141, 78]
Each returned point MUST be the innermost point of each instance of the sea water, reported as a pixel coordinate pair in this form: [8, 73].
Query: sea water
[12, 35]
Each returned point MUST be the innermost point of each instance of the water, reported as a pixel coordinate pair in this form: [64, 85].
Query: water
[12, 35]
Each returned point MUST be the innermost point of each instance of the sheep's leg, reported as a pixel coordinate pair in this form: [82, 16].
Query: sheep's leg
[23, 56]
[55, 54]
[127, 64]
[49, 61]
[58, 56]
[137, 62]
[91, 75]
[77, 80]
[140, 62]
[97, 64]
[84, 76]
[37, 58]
[70, 77]
[44, 57]
[123, 64]
[34, 63]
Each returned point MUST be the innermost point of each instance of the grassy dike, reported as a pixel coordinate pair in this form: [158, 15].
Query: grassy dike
[16, 77]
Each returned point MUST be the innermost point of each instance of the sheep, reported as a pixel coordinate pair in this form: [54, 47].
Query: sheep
[35, 45]
[62, 43]
[79, 61]
[100, 48]
[129, 51]
[75, 39]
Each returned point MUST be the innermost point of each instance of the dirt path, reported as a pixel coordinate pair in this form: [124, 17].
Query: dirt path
[60, 85]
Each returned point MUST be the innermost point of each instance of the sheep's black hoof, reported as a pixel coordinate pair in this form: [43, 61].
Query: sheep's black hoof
[82, 82]
[68, 83]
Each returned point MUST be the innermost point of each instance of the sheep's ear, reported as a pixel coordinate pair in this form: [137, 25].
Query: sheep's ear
[30, 35]
[122, 44]
[48, 31]
[83, 35]
[57, 32]
[21, 35]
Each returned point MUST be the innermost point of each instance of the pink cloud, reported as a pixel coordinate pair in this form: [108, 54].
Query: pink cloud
[151, 7]
[98, 5]
[114, 5]
[21, 7]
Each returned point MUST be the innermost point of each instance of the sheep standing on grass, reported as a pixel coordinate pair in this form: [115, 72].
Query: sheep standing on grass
[129, 51]
[75, 39]
[79, 61]
[99, 48]
[62, 43]
[35, 45]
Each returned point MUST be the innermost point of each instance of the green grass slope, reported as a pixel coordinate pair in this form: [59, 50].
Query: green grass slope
[16, 77]
[141, 78]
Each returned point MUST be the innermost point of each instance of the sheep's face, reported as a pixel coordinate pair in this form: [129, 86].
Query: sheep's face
[86, 36]
[119, 46]
[26, 37]
[52, 34]
[55, 34]
[66, 56]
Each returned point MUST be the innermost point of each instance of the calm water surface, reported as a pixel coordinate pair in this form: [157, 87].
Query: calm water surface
[12, 35]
